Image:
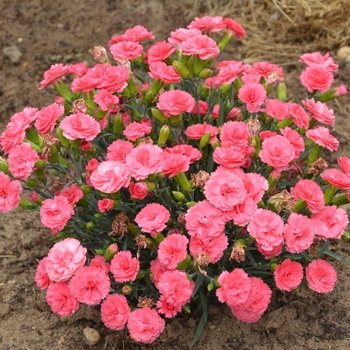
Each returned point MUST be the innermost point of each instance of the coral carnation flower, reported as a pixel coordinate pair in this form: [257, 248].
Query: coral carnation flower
[253, 95]
[321, 276]
[115, 311]
[200, 45]
[288, 275]
[174, 102]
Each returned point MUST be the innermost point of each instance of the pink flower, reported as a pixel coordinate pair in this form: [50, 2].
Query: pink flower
[321, 136]
[255, 185]
[299, 115]
[316, 59]
[234, 28]
[86, 145]
[197, 131]
[78, 69]
[299, 233]
[174, 164]
[73, 193]
[213, 246]
[176, 290]
[174, 102]
[231, 70]
[115, 311]
[136, 34]
[271, 253]
[316, 78]
[89, 285]
[21, 161]
[265, 69]
[92, 164]
[47, 118]
[278, 152]
[136, 130]
[157, 269]
[256, 304]
[336, 178]
[105, 99]
[12, 136]
[241, 214]
[10, 193]
[331, 221]
[253, 95]
[159, 52]
[41, 277]
[200, 45]
[80, 126]
[138, 190]
[25, 118]
[64, 259]
[118, 150]
[145, 325]
[234, 288]
[228, 157]
[344, 163]
[172, 250]
[295, 139]
[266, 134]
[187, 150]
[56, 212]
[311, 193]
[234, 134]
[180, 35]
[110, 176]
[224, 190]
[145, 160]
[55, 73]
[126, 50]
[152, 218]
[321, 276]
[267, 228]
[124, 267]
[276, 109]
[167, 74]
[205, 220]
[99, 262]
[207, 24]
[288, 275]
[105, 204]
[320, 111]
[341, 90]
[202, 108]
[61, 300]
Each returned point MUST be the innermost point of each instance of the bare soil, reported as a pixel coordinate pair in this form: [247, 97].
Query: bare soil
[48, 32]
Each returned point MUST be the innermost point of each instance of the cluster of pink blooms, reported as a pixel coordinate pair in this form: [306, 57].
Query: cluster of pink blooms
[164, 192]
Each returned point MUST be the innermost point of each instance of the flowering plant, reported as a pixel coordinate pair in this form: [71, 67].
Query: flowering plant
[166, 178]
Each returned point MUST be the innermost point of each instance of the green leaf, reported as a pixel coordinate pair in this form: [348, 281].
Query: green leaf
[203, 320]
[336, 256]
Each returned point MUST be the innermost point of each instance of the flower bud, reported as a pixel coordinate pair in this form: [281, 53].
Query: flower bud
[64, 141]
[181, 69]
[26, 204]
[282, 91]
[204, 140]
[32, 183]
[131, 84]
[184, 264]
[178, 196]
[117, 124]
[163, 136]
[183, 181]
[346, 236]
[285, 122]
[127, 290]
[190, 204]
[4, 166]
[299, 205]
[158, 115]
[86, 189]
[224, 41]
[89, 225]
[39, 164]
[205, 73]
[111, 251]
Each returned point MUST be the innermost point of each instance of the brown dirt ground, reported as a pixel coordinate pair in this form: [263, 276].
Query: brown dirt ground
[46, 32]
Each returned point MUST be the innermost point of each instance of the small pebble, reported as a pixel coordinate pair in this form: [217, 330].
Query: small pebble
[13, 53]
[344, 53]
[91, 335]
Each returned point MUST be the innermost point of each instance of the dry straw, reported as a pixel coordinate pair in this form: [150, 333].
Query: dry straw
[283, 29]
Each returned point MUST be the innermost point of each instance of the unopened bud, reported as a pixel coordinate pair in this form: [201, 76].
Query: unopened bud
[127, 290]
[90, 225]
[181, 69]
[111, 251]
[158, 115]
[205, 73]
[179, 196]
[117, 124]
[163, 136]
[204, 140]
[282, 91]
